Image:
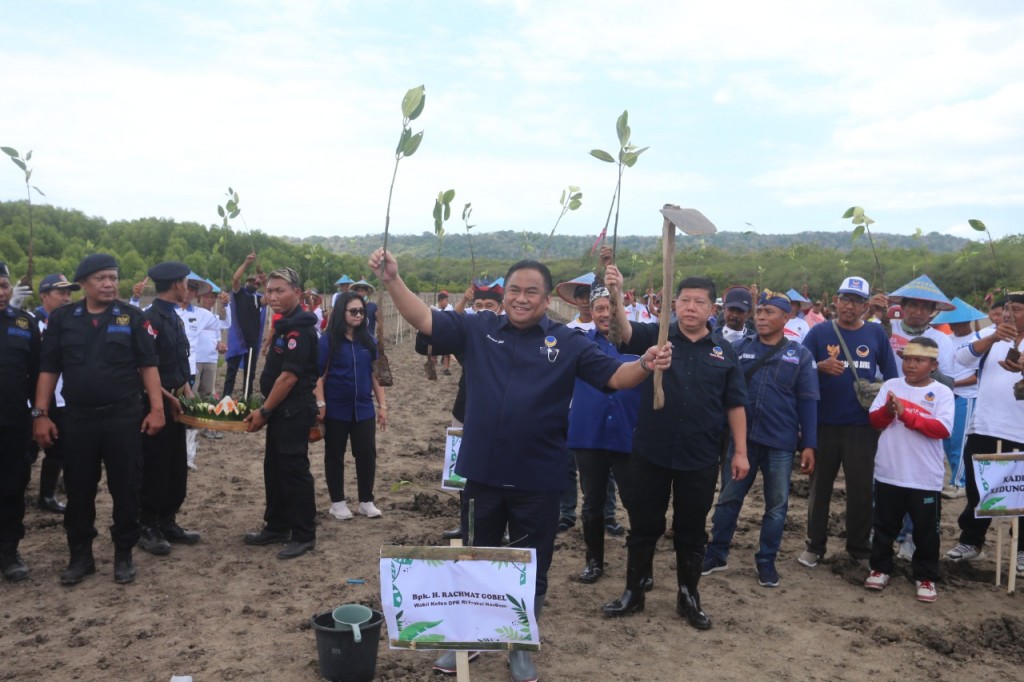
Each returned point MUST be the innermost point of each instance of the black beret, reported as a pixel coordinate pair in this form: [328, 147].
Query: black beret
[95, 263]
[171, 271]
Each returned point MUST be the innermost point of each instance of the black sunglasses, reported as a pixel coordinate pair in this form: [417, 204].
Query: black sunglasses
[356, 312]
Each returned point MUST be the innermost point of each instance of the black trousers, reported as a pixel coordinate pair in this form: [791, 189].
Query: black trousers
[15, 468]
[692, 497]
[111, 440]
[972, 530]
[531, 518]
[594, 466]
[364, 449]
[291, 506]
[164, 473]
[233, 364]
[892, 503]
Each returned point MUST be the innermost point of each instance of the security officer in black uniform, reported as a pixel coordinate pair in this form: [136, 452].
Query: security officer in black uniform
[104, 348]
[288, 410]
[19, 362]
[164, 455]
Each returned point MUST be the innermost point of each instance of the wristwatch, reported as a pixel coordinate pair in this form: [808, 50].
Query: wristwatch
[320, 404]
[36, 413]
[643, 365]
[265, 413]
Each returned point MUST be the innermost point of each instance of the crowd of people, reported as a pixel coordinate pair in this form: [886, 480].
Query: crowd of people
[900, 389]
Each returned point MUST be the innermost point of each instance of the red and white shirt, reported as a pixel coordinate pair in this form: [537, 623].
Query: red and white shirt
[910, 453]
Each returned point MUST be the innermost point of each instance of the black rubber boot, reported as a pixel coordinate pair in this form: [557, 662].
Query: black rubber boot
[632, 599]
[520, 664]
[688, 568]
[49, 472]
[81, 565]
[13, 568]
[593, 536]
[124, 567]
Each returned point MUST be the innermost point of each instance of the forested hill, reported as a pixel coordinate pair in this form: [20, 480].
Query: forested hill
[816, 259]
[506, 243]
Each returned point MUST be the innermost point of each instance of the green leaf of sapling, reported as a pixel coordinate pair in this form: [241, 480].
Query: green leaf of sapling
[413, 144]
[562, 200]
[574, 204]
[10, 151]
[849, 212]
[28, 157]
[857, 233]
[411, 101]
[977, 225]
[220, 211]
[19, 163]
[622, 128]
[603, 155]
[448, 196]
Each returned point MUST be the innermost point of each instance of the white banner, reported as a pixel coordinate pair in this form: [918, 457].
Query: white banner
[1000, 481]
[449, 479]
[459, 597]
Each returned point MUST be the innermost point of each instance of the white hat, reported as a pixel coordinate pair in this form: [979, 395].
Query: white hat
[855, 285]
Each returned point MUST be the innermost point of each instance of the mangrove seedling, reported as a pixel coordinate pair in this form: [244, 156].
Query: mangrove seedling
[412, 106]
[572, 198]
[22, 163]
[627, 157]
[467, 211]
[863, 224]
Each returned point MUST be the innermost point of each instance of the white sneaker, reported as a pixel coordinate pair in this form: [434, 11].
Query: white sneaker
[906, 550]
[369, 510]
[877, 580]
[339, 510]
[964, 552]
[926, 591]
[952, 492]
[808, 558]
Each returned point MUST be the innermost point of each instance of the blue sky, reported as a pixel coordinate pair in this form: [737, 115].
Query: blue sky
[776, 114]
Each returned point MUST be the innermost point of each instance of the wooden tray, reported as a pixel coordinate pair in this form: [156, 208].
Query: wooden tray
[213, 424]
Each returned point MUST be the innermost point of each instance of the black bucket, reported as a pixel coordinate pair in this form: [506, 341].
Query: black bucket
[341, 658]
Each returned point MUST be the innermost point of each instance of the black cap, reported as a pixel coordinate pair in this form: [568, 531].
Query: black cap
[5, 271]
[95, 263]
[171, 271]
[738, 298]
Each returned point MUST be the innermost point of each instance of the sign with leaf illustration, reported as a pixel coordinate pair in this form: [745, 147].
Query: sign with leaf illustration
[478, 598]
[449, 479]
[1000, 480]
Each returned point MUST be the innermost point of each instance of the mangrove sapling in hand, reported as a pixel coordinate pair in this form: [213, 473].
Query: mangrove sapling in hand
[572, 199]
[442, 212]
[627, 157]
[412, 106]
[22, 163]
[863, 224]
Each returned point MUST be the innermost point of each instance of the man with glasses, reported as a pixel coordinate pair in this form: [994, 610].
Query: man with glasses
[676, 449]
[106, 350]
[845, 437]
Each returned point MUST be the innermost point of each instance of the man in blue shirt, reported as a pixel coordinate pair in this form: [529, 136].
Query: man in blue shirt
[782, 416]
[521, 368]
[844, 435]
[676, 449]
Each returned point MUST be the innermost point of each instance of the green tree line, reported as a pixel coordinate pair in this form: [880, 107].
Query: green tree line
[817, 260]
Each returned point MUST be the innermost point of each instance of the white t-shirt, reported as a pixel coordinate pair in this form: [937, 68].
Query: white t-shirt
[638, 312]
[899, 338]
[796, 329]
[210, 335]
[582, 326]
[996, 413]
[906, 457]
[964, 367]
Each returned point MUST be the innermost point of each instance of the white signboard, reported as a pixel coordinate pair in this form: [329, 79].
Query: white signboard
[449, 479]
[459, 597]
[1000, 481]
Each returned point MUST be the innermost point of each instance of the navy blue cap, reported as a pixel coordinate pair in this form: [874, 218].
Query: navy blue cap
[57, 281]
[171, 271]
[738, 297]
[95, 263]
[5, 271]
